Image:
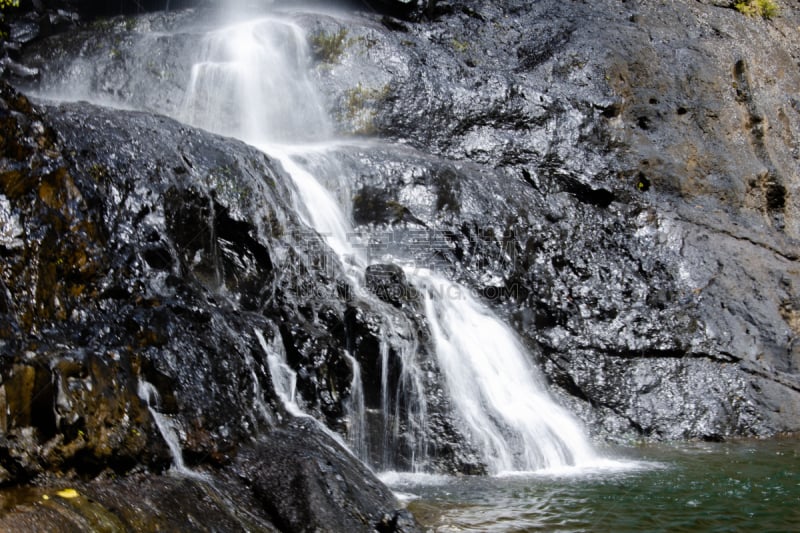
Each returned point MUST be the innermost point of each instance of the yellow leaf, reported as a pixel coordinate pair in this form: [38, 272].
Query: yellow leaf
[68, 493]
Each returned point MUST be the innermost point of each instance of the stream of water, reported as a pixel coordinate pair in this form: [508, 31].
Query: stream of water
[250, 83]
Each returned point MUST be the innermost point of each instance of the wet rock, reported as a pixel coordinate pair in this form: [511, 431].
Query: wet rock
[23, 31]
[138, 250]
[409, 9]
[315, 466]
[388, 282]
[116, 504]
[623, 203]
[9, 237]
[297, 481]
[373, 205]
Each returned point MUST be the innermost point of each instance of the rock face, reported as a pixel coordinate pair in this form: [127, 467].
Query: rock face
[389, 283]
[408, 9]
[620, 180]
[310, 484]
[617, 180]
[137, 251]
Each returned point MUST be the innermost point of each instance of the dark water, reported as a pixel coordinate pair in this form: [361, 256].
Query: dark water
[739, 486]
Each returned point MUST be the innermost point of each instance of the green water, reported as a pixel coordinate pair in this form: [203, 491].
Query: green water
[738, 486]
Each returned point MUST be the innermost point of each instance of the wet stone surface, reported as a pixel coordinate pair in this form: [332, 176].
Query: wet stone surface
[617, 180]
[149, 252]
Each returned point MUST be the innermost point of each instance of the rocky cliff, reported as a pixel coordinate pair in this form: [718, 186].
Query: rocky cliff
[618, 180]
[140, 255]
[626, 172]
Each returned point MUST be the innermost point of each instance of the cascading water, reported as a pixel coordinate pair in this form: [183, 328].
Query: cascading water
[357, 423]
[250, 84]
[493, 386]
[284, 379]
[253, 84]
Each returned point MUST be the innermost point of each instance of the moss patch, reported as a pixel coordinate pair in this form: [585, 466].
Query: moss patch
[360, 107]
[758, 8]
[329, 47]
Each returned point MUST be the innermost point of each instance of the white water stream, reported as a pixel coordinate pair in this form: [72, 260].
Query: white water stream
[148, 393]
[253, 83]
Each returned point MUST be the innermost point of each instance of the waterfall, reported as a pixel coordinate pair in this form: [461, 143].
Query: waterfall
[496, 391]
[253, 83]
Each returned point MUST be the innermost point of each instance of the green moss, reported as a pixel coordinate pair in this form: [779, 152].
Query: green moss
[758, 8]
[275, 225]
[397, 209]
[366, 42]
[102, 24]
[98, 172]
[359, 106]
[328, 48]
[460, 46]
[356, 98]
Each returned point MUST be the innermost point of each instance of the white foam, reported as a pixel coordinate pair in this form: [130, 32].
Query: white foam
[396, 479]
[597, 466]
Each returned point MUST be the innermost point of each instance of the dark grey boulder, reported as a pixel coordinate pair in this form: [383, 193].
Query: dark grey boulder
[388, 282]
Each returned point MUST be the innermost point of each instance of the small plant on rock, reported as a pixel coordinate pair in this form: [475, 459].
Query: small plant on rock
[758, 8]
[328, 48]
[360, 105]
[4, 4]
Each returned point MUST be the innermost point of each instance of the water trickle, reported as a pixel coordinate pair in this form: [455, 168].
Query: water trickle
[148, 393]
[404, 410]
[317, 206]
[259, 405]
[284, 379]
[356, 431]
[253, 83]
[385, 407]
